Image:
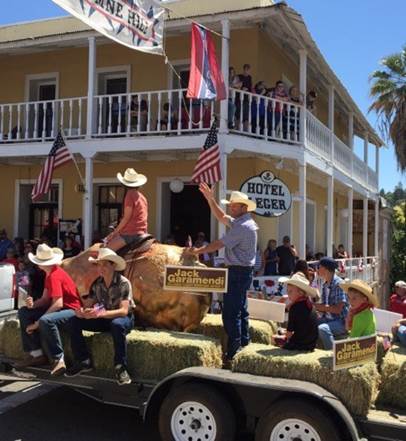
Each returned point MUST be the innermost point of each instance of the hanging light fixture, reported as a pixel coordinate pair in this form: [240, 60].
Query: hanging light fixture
[176, 185]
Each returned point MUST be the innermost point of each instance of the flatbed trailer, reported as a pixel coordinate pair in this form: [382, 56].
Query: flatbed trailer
[207, 404]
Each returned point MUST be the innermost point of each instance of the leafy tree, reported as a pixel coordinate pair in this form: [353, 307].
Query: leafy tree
[399, 242]
[388, 91]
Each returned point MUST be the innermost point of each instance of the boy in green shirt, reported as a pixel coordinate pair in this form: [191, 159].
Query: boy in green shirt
[361, 319]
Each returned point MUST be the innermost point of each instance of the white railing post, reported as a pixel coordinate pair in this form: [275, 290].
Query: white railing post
[225, 63]
[303, 91]
[91, 86]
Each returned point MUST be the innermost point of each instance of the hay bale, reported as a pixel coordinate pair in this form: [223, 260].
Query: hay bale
[152, 355]
[261, 331]
[356, 387]
[155, 354]
[393, 388]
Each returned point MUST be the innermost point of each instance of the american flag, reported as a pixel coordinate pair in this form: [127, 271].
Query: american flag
[207, 168]
[58, 155]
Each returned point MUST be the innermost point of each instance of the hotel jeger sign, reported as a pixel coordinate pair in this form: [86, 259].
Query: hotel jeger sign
[137, 24]
[354, 352]
[271, 195]
[195, 278]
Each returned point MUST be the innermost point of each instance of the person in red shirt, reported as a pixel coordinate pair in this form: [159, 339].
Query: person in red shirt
[41, 318]
[398, 300]
[11, 258]
[134, 222]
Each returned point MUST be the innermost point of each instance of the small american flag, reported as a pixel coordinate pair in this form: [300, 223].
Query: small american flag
[207, 168]
[58, 155]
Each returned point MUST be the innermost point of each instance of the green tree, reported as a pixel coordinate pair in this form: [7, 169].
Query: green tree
[399, 242]
[388, 90]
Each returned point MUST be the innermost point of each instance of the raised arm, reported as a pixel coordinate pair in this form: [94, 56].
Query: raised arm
[218, 212]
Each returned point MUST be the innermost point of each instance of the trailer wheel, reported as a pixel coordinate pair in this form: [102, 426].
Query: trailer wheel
[196, 413]
[293, 420]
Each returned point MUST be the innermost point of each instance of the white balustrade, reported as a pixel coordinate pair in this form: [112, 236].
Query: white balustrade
[359, 170]
[342, 156]
[318, 136]
[372, 179]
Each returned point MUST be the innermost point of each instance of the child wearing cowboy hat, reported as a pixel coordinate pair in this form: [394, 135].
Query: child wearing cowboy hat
[360, 320]
[302, 330]
[134, 222]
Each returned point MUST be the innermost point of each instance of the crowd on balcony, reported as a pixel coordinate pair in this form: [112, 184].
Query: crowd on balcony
[272, 107]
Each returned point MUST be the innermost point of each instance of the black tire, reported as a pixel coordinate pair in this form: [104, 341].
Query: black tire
[216, 408]
[302, 411]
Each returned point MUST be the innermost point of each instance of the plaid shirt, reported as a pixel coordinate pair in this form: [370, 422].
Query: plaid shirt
[331, 295]
[111, 297]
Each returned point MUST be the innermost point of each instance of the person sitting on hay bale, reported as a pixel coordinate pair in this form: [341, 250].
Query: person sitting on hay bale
[134, 222]
[360, 320]
[54, 308]
[334, 303]
[398, 299]
[108, 308]
[302, 330]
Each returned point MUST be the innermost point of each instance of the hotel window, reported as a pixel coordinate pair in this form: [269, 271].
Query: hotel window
[109, 204]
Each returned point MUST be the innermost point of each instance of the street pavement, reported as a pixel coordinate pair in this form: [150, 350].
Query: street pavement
[33, 412]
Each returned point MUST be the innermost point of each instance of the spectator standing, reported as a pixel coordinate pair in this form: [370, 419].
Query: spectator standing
[277, 115]
[295, 97]
[11, 258]
[398, 299]
[201, 241]
[5, 244]
[69, 249]
[311, 101]
[334, 303]
[341, 253]
[258, 108]
[287, 255]
[234, 82]
[270, 260]
[246, 85]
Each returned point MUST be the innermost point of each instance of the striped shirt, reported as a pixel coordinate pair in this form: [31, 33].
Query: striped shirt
[332, 294]
[241, 241]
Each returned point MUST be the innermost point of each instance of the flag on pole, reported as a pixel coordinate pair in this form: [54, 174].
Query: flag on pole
[206, 80]
[138, 24]
[58, 155]
[207, 168]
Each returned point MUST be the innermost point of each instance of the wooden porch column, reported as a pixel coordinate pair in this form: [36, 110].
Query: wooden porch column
[303, 90]
[302, 210]
[331, 119]
[225, 64]
[330, 215]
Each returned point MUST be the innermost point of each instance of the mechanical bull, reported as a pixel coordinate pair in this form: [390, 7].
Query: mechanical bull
[156, 307]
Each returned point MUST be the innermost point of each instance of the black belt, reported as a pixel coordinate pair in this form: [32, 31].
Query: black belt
[240, 267]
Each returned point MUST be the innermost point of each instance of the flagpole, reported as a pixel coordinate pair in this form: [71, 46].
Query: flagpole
[73, 159]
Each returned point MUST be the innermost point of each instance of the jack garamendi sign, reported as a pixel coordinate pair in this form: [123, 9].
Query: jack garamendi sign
[271, 195]
[195, 279]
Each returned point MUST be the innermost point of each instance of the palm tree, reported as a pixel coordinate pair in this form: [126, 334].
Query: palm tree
[388, 89]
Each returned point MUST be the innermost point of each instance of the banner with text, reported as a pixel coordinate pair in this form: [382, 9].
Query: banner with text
[354, 352]
[195, 279]
[137, 24]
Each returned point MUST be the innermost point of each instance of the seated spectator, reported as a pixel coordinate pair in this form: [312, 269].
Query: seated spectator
[360, 320]
[399, 332]
[258, 109]
[333, 308]
[302, 330]
[5, 244]
[201, 241]
[139, 114]
[270, 259]
[311, 101]
[11, 258]
[287, 257]
[341, 253]
[69, 248]
[398, 299]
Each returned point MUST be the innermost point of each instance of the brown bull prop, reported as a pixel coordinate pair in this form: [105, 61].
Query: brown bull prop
[174, 310]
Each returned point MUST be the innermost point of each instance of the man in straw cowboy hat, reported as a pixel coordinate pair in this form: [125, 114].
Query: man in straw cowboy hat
[302, 330]
[108, 308]
[360, 320]
[134, 222]
[55, 308]
[240, 243]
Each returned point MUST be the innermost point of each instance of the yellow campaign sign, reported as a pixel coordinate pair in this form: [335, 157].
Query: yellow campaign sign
[354, 352]
[195, 278]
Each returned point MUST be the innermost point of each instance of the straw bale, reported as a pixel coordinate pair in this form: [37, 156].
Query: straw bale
[393, 388]
[11, 339]
[356, 387]
[261, 331]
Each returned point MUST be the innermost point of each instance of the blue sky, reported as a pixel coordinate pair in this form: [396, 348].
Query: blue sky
[352, 35]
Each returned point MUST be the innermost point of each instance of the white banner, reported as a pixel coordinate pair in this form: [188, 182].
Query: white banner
[137, 24]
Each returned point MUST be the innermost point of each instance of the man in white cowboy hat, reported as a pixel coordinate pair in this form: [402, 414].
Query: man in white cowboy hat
[240, 243]
[108, 308]
[360, 321]
[55, 308]
[134, 222]
[302, 330]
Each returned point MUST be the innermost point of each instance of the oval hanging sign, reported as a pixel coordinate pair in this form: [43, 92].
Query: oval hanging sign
[272, 196]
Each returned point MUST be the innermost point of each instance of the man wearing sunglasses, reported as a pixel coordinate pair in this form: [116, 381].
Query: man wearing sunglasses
[108, 308]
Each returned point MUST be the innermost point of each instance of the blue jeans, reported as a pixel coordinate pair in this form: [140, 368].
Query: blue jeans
[401, 335]
[118, 327]
[235, 309]
[329, 329]
[27, 316]
[48, 329]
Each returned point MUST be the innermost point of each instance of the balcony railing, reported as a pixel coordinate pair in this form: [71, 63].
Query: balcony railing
[170, 112]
